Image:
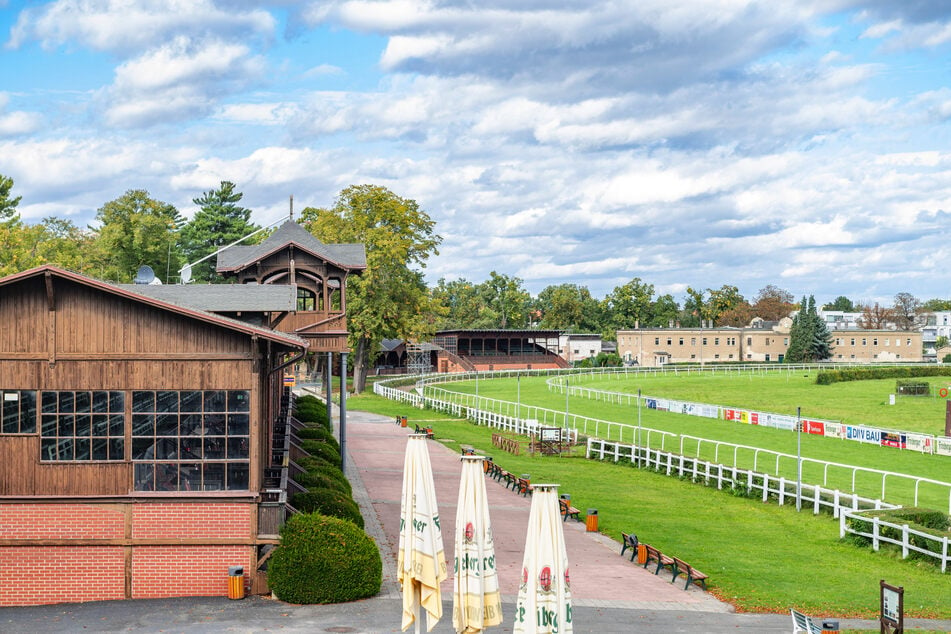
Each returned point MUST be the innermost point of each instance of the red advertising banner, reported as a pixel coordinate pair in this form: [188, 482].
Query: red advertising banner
[814, 427]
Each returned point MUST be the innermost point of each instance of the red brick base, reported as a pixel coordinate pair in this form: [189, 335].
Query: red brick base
[171, 551]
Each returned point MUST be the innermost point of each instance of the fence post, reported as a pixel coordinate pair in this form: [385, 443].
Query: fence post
[765, 487]
[841, 525]
[904, 541]
[782, 490]
[875, 533]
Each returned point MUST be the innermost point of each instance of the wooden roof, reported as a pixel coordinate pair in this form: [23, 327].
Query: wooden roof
[351, 257]
[51, 272]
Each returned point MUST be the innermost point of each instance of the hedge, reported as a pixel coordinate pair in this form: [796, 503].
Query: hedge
[828, 377]
[328, 502]
[318, 480]
[324, 560]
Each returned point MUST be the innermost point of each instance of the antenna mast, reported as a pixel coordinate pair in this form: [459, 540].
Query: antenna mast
[292, 208]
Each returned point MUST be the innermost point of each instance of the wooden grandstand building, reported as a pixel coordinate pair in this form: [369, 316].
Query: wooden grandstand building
[143, 429]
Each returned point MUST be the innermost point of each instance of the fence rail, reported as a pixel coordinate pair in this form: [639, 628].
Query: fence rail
[515, 417]
[907, 539]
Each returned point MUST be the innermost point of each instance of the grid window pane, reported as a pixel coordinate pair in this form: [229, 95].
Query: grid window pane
[201, 436]
[79, 426]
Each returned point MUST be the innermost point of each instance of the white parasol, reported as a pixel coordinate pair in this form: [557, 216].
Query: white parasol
[544, 593]
[421, 562]
[477, 603]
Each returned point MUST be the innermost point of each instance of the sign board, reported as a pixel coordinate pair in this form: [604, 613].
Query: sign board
[290, 380]
[892, 620]
[550, 434]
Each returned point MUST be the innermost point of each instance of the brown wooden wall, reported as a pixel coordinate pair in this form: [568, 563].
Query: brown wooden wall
[96, 341]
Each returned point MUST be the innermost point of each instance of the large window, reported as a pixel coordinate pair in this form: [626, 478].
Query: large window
[190, 440]
[17, 412]
[82, 425]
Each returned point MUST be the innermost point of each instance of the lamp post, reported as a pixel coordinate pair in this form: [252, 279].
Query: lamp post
[798, 461]
[638, 427]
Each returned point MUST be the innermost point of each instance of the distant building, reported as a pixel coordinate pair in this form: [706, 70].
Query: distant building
[654, 347]
[575, 347]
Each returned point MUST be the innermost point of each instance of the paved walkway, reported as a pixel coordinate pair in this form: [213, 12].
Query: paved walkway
[610, 594]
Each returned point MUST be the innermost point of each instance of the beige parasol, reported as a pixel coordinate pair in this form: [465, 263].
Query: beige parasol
[477, 603]
[544, 593]
[421, 562]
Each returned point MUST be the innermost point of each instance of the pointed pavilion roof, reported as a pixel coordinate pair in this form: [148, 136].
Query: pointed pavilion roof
[351, 257]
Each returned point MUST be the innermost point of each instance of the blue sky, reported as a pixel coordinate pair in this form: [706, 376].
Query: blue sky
[799, 143]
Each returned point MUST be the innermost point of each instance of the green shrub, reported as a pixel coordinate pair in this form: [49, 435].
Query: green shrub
[912, 387]
[328, 502]
[322, 450]
[828, 377]
[317, 433]
[318, 480]
[324, 560]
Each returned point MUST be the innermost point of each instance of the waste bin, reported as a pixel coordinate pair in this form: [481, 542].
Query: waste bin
[830, 627]
[486, 463]
[236, 582]
[642, 554]
[591, 521]
[403, 421]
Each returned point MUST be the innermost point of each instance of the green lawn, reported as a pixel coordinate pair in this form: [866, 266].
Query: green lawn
[533, 391]
[760, 557]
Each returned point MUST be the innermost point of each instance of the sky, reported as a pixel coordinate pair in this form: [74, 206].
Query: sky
[798, 143]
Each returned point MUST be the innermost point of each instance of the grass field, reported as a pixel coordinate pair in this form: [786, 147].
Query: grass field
[702, 388]
[760, 557]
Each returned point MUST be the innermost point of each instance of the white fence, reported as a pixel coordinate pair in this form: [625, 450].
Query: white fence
[765, 485]
[924, 443]
[472, 406]
[905, 541]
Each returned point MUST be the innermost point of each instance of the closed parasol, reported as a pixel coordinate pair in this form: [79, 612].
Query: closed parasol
[421, 561]
[544, 593]
[477, 603]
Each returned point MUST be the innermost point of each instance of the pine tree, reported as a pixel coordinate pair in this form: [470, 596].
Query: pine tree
[218, 223]
[821, 338]
[798, 338]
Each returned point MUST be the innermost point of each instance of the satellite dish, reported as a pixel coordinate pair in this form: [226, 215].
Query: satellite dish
[145, 275]
[186, 274]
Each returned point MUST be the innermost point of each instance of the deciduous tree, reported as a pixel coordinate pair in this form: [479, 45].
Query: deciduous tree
[628, 305]
[773, 303]
[390, 298]
[135, 229]
[875, 317]
[908, 312]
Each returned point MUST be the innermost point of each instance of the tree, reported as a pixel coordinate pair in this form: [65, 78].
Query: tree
[739, 316]
[875, 317]
[463, 304]
[936, 305]
[8, 205]
[505, 296]
[664, 310]
[718, 301]
[628, 305]
[773, 303]
[219, 222]
[390, 299]
[809, 337]
[940, 342]
[136, 229]
[908, 312]
[568, 307]
[841, 303]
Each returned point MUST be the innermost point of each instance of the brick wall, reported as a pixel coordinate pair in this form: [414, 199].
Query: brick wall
[40, 574]
[60, 574]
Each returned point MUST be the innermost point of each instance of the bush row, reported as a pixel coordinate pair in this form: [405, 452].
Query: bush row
[325, 556]
[828, 377]
[923, 520]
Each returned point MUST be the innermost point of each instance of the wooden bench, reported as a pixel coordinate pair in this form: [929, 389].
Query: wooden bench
[425, 430]
[567, 510]
[693, 575]
[629, 540]
[522, 486]
[802, 623]
[654, 555]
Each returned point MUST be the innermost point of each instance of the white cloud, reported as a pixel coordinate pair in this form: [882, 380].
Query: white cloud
[126, 26]
[180, 78]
